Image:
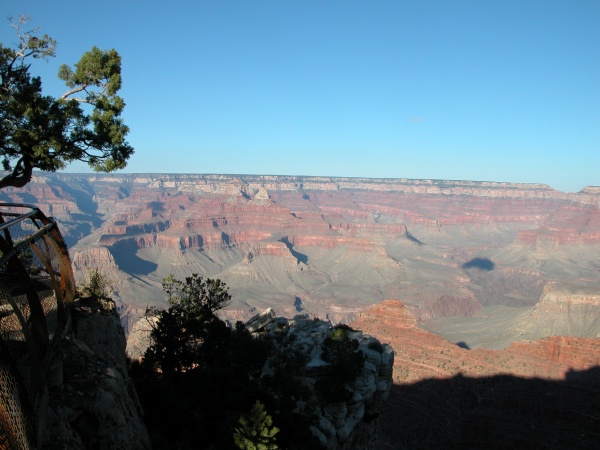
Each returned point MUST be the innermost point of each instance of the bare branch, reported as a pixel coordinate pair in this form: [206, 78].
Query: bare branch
[20, 176]
[84, 87]
[29, 44]
[74, 91]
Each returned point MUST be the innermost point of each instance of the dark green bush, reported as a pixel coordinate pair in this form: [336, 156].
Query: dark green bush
[346, 362]
[199, 376]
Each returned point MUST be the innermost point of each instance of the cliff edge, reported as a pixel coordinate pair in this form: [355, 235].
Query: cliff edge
[92, 401]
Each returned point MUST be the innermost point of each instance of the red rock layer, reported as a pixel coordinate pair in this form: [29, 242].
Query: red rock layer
[533, 394]
[420, 355]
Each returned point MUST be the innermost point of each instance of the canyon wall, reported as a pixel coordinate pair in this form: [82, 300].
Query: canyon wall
[330, 247]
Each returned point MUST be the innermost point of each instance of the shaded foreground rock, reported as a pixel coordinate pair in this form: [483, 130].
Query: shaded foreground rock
[496, 412]
[94, 403]
[345, 421]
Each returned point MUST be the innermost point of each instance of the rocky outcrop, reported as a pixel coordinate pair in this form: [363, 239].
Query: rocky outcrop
[92, 258]
[92, 402]
[344, 423]
[97, 324]
[268, 248]
[566, 309]
[389, 313]
[138, 339]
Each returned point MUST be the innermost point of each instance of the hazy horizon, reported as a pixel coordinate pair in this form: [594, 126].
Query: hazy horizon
[71, 171]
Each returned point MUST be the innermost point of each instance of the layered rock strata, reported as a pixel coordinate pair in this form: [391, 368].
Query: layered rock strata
[330, 247]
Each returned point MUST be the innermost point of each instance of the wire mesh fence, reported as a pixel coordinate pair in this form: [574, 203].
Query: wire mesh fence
[36, 290]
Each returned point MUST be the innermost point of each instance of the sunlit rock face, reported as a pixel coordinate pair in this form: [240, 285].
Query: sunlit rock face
[420, 354]
[532, 394]
[457, 253]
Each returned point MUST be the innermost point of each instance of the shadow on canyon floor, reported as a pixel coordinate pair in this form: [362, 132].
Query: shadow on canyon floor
[133, 264]
[479, 263]
[499, 412]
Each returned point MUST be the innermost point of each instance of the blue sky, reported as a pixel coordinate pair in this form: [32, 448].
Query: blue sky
[477, 90]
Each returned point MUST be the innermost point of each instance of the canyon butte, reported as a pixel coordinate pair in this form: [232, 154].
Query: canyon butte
[478, 285]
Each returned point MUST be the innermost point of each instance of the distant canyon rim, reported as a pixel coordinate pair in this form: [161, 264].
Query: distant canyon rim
[482, 264]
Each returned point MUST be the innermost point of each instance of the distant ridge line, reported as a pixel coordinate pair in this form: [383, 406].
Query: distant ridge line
[401, 180]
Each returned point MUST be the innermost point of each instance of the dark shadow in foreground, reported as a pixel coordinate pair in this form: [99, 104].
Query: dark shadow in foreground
[499, 412]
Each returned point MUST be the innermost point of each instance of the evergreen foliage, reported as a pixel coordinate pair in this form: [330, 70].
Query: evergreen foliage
[44, 132]
[196, 377]
[204, 384]
[284, 391]
[256, 430]
[346, 364]
[179, 334]
[97, 285]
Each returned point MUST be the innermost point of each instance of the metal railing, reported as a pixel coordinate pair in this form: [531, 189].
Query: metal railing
[36, 290]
